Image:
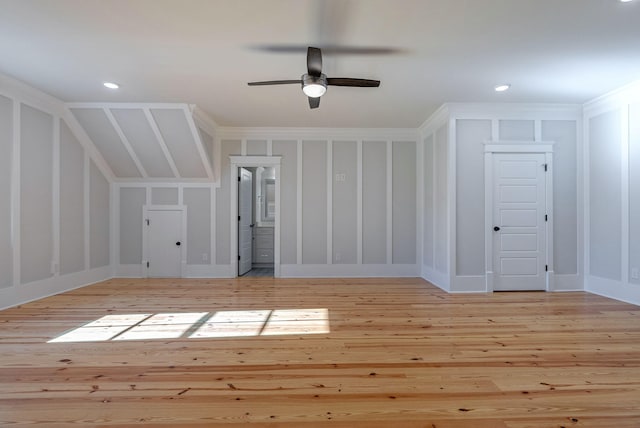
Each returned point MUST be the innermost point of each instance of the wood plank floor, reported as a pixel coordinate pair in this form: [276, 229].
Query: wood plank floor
[256, 351]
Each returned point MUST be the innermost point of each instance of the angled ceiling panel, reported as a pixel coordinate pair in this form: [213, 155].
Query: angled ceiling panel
[98, 127]
[180, 141]
[207, 142]
[136, 128]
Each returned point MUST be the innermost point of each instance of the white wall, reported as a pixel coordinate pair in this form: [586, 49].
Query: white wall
[49, 188]
[612, 195]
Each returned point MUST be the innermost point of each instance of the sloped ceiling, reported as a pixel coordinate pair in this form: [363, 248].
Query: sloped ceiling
[204, 52]
[148, 141]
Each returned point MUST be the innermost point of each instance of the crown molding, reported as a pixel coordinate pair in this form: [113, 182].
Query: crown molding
[355, 134]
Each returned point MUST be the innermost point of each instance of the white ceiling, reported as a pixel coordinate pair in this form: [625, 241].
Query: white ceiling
[205, 51]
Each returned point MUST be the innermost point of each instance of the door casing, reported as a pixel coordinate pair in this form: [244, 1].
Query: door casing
[237, 162]
[491, 148]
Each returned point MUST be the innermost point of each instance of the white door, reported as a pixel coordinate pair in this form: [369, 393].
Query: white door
[245, 221]
[164, 243]
[519, 230]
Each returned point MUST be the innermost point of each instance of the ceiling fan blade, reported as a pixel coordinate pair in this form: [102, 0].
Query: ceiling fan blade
[314, 102]
[332, 49]
[275, 82]
[345, 81]
[314, 61]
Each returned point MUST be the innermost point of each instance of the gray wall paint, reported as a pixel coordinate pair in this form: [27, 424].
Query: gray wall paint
[99, 219]
[6, 153]
[198, 202]
[36, 175]
[470, 245]
[441, 188]
[288, 199]
[429, 209]
[164, 196]
[223, 235]
[207, 141]
[634, 190]
[136, 128]
[374, 202]
[103, 135]
[565, 192]
[404, 203]
[71, 202]
[256, 148]
[345, 208]
[516, 130]
[131, 202]
[605, 195]
[314, 206]
[177, 135]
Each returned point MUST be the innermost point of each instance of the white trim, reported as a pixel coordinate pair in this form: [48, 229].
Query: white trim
[537, 130]
[125, 142]
[160, 139]
[420, 202]
[549, 239]
[198, 142]
[235, 163]
[243, 147]
[567, 282]
[22, 93]
[85, 141]
[299, 203]
[17, 295]
[212, 225]
[495, 129]
[439, 279]
[277, 226]
[624, 188]
[580, 204]
[270, 147]
[452, 224]
[87, 211]
[55, 199]
[329, 181]
[127, 106]
[518, 147]
[469, 284]
[359, 190]
[325, 134]
[145, 233]
[114, 235]
[350, 271]
[389, 202]
[513, 111]
[618, 290]
[15, 194]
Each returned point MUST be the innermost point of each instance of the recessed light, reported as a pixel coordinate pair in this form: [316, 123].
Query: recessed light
[111, 85]
[626, 1]
[502, 88]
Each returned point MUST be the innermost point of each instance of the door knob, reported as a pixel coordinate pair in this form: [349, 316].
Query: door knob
[178, 243]
[496, 228]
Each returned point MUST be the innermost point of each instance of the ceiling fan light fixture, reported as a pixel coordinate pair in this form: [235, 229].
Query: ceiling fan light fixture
[314, 86]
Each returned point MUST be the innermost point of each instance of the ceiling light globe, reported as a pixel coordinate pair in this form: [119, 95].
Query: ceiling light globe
[111, 85]
[502, 88]
[314, 90]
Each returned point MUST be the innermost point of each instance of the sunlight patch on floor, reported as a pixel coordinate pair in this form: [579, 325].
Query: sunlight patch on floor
[201, 325]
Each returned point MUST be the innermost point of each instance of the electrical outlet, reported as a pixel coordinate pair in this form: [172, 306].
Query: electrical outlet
[341, 177]
[635, 273]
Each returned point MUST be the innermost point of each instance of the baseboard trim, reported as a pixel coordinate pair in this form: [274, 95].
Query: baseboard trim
[469, 284]
[24, 293]
[567, 282]
[439, 279]
[348, 271]
[618, 290]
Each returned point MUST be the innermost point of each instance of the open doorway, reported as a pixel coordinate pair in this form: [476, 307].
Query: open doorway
[255, 225]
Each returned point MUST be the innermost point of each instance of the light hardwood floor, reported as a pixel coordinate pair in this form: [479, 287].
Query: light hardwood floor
[398, 353]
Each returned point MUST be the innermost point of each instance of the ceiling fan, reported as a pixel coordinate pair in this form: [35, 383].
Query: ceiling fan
[314, 82]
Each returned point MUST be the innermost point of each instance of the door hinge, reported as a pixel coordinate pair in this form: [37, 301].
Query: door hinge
[147, 265]
[238, 257]
[238, 218]
[546, 167]
[546, 217]
[148, 222]
[239, 179]
[546, 268]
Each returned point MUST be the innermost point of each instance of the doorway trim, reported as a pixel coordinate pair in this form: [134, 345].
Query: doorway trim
[237, 162]
[490, 148]
[145, 235]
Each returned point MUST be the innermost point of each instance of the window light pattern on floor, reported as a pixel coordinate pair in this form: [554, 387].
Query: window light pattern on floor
[201, 325]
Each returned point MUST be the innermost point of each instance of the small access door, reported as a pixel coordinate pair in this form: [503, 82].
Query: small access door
[519, 229]
[164, 243]
[245, 221]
